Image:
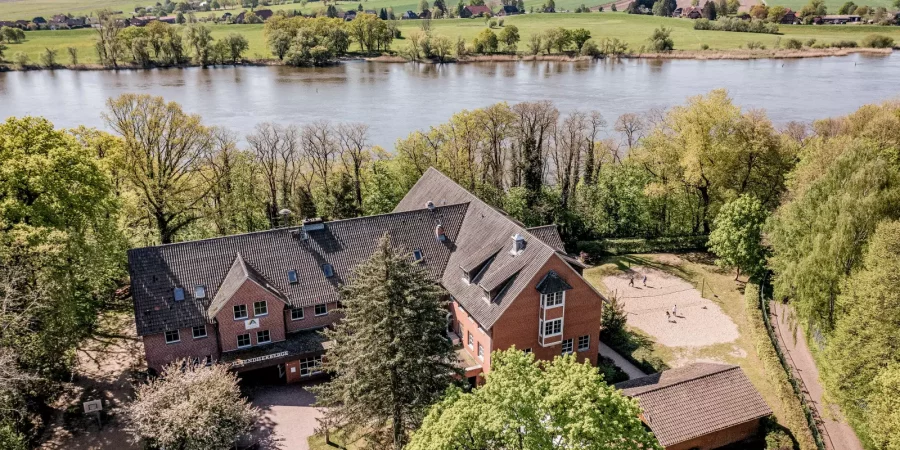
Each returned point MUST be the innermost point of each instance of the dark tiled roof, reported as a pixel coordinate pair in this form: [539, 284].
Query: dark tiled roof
[156, 271]
[552, 282]
[696, 400]
[550, 235]
[478, 9]
[485, 227]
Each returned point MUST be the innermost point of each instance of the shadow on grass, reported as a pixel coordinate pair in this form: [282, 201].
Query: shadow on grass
[636, 348]
[625, 262]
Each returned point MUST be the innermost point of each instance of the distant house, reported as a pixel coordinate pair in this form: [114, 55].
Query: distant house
[790, 17]
[677, 12]
[39, 20]
[425, 14]
[59, 18]
[702, 406]
[349, 15]
[477, 10]
[76, 22]
[409, 15]
[508, 10]
[840, 19]
[691, 12]
[372, 12]
[263, 14]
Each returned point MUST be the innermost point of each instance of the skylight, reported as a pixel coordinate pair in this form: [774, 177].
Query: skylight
[418, 255]
[179, 294]
[328, 270]
[200, 292]
[292, 276]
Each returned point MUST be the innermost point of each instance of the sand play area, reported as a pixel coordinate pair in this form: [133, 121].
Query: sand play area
[699, 322]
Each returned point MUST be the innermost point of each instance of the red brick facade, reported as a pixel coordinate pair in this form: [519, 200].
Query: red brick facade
[310, 319]
[519, 324]
[248, 294]
[721, 438]
[159, 353]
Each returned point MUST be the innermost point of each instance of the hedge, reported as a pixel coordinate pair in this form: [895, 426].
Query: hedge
[796, 413]
[621, 246]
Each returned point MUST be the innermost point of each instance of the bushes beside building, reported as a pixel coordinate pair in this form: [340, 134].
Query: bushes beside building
[736, 25]
[622, 246]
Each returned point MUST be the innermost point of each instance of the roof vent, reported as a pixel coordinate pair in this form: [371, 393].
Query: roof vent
[430, 205]
[518, 243]
[439, 233]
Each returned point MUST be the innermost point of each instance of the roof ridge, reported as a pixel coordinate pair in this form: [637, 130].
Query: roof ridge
[291, 228]
[725, 368]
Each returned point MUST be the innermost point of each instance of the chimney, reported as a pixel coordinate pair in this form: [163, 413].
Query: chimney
[430, 205]
[518, 244]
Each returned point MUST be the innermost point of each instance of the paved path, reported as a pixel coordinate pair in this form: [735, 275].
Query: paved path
[288, 417]
[624, 364]
[838, 434]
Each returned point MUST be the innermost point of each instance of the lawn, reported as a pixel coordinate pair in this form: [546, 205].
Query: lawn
[632, 29]
[717, 286]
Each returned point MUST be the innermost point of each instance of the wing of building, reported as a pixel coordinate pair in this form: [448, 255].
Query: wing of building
[258, 300]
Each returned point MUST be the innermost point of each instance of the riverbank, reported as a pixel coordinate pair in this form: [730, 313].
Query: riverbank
[632, 30]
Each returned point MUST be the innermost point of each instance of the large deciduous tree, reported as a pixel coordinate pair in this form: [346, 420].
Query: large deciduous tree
[164, 149]
[536, 406]
[190, 407]
[390, 357]
[737, 237]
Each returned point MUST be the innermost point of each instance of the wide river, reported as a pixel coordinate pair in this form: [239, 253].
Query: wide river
[395, 99]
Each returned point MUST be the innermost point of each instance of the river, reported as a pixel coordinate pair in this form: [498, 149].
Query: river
[395, 99]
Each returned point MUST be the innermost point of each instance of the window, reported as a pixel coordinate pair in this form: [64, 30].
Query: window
[310, 366]
[567, 347]
[243, 340]
[480, 351]
[528, 350]
[297, 314]
[172, 336]
[208, 360]
[584, 343]
[199, 291]
[471, 341]
[240, 312]
[262, 337]
[179, 294]
[328, 270]
[553, 327]
[260, 308]
[200, 332]
[322, 309]
[292, 276]
[418, 255]
[553, 299]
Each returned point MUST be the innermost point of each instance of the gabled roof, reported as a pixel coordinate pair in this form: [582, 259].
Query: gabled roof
[550, 235]
[686, 403]
[478, 9]
[239, 274]
[483, 227]
[156, 271]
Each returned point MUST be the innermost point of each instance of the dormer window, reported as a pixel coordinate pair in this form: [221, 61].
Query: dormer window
[417, 255]
[292, 276]
[328, 270]
[199, 291]
[179, 294]
[439, 233]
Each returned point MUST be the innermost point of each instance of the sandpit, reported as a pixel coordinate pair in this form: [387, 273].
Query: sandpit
[700, 322]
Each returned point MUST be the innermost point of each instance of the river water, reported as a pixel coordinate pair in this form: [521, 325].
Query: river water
[396, 99]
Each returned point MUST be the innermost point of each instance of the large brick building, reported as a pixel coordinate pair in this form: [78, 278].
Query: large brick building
[259, 300]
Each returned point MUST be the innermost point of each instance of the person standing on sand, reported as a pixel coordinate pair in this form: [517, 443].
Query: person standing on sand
[631, 281]
[675, 310]
[645, 280]
[668, 317]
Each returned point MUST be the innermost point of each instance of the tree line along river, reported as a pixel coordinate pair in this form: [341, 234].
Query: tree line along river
[396, 99]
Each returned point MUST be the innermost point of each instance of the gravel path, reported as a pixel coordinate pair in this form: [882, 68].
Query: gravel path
[838, 434]
[630, 369]
[699, 322]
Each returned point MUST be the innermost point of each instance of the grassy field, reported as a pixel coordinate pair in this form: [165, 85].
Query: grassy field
[630, 28]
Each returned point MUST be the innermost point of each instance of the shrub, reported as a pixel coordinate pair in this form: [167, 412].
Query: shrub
[736, 25]
[704, 47]
[590, 48]
[621, 246]
[878, 41]
[613, 47]
[755, 45]
[793, 44]
[810, 42]
[844, 44]
[612, 374]
[21, 59]
[703, 24]
[661, 40]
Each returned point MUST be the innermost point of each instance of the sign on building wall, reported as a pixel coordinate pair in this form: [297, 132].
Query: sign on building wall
[250, 324]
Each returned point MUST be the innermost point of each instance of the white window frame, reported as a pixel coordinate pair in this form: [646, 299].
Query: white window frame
[480, 352]
[470, 340]
[249, 341]
[568, 346]
[550, 323]
[553, 300]
[302, 314]
[199, 291]
[323, 305]
[194, 332]
[528, 350]
[177, 336]
[265, 306]
[268, 337]
[311, 366]
[234, 311]
[587, 340]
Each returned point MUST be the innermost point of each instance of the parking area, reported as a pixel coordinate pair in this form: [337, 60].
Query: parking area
[288, 417]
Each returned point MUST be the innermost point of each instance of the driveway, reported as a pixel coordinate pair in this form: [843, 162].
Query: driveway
[288, 418]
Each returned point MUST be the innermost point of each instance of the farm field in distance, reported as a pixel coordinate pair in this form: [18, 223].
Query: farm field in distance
[632, 29]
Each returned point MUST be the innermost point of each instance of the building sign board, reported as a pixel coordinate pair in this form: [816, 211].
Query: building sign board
[250, 324]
